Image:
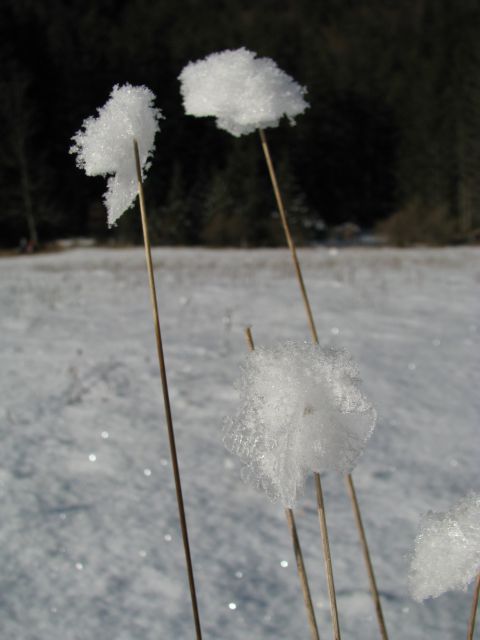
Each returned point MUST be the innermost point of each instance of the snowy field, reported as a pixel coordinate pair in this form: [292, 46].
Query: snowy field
[89, 539]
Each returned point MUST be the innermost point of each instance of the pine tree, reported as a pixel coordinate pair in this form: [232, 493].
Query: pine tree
[22, 190]
[223, 224]
[174, 223]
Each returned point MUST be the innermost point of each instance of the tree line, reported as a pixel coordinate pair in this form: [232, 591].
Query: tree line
[391, 140]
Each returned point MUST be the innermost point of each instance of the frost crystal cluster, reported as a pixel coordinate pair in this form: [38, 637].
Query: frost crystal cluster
[104, 145]
[447, 550]
[241, 91]
[301, 410]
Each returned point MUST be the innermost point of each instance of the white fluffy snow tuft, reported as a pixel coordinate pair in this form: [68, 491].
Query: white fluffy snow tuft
[301, 410]
[447, 550]
[241, 91]
[104, 145]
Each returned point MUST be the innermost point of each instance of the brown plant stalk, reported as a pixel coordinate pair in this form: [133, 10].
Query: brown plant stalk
[166, 397]
[473, 612]
[349, 479]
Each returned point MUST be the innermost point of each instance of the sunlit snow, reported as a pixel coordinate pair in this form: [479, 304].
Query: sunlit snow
[78, 359]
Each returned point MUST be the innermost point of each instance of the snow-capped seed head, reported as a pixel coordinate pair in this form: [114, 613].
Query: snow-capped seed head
[447, 550]
[301, 410]
[241, 91]
[104, 144]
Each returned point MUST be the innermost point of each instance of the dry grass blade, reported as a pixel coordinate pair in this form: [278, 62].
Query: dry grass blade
[327, 558]
[371, 576]
[166, 398]
[473, 613]
[288, 235]
[313, 331]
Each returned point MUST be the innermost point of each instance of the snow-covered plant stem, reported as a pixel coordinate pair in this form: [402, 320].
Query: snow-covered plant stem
[166, 397]
[349, 479]
[473, 613]
[302, 573]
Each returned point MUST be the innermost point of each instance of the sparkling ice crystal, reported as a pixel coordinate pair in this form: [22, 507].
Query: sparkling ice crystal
[301, 410]
[104, 145]
[241, 91]
[447, 550]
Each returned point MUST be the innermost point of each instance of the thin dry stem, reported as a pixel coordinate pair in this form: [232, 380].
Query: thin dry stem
[249, 339]
[302, 572]
[366, 555]
[166, 398]
[288, 235]
[314, 334]
[473, 612]
[327, 557]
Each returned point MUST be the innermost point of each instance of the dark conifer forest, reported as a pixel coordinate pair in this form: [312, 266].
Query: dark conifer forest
[391, 142]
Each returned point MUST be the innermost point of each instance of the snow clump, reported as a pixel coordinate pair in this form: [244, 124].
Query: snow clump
[301, 410]
[447, 550]
[104, 145]
[241, 91]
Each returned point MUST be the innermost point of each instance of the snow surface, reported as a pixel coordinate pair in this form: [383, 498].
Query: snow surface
[447, 550]
[301, 411]
[241, 91]
[89, 537]
[104, 145]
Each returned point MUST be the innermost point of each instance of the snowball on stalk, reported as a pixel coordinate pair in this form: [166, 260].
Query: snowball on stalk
[241, 91]
[104, 145]
[447, 550]
[301, 411]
